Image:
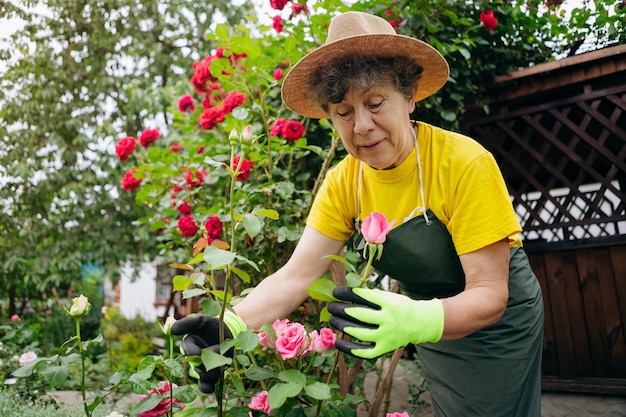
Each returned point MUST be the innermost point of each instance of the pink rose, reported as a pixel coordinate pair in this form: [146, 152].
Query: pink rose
[259, 402]
[293, 341]
[375, 228]
[27, 357]
[125, 147]
[278, 74]
[163, 407]
[323, 341]
[277, 127]
[15, 318]
[280, 327]
[403, 414]
[265, 340]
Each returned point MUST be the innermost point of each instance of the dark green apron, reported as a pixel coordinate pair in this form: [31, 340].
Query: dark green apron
[494, 372]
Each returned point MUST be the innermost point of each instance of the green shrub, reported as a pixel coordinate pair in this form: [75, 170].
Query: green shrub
[128, 340]
[15, 406]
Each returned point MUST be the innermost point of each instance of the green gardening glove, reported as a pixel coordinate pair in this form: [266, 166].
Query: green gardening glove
[384, 320]
[202, 332]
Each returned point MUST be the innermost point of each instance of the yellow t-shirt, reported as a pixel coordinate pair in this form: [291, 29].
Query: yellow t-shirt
[463, 187]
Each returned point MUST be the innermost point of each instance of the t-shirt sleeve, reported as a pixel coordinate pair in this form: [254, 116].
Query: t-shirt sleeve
[334, 207]
[482, 209]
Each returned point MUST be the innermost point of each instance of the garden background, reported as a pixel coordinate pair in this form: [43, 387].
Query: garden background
[122, 124]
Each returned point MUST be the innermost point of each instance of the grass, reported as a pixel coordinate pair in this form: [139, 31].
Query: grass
[12, 405]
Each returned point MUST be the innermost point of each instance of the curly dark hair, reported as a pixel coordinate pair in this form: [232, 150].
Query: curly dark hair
[331, 82]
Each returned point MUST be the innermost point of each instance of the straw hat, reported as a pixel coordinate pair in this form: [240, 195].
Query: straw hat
[357, 33]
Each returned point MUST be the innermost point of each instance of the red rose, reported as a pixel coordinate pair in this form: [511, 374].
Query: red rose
[297, 8]
[395, 23]
[277, 24]
[202, 74]
[488, 20]
[186, 104]
[278, 4]
[125, 147]
[277, 127]
[292, 130]
[244, 168]
[211, 117]
[149, 136]
[176, 147]
[184, 208]
[194, 178]
[187, 226]
[130, 182]
[233, 100]
[213, 227]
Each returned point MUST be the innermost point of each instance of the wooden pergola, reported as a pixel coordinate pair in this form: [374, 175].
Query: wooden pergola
[558, 131]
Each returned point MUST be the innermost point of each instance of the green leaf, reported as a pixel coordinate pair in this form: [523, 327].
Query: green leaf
[197, 259]
[181, 283]
[193, 293]
[249, 262]
[243, 360]
[240, 113]
[222, 31]
[245, 277]
[256, 373]
[293, 376]
[252, 224]
[353, 280]
[270, 214]
[318, 390]
[212, 360]
[279, 393]
[248, 340]
[147, 404]
[448, 115]
[322, 289]
[342, 260]
[174, 368]
[324, 315]
[56, 374]
[218, 258]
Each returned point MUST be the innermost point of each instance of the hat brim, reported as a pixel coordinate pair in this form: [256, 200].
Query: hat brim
[434, 76]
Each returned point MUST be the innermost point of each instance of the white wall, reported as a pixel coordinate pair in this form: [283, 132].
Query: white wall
[138, 293]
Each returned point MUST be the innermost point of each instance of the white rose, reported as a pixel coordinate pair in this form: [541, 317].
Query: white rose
[115, 414]
[167, 327]
[80, 306]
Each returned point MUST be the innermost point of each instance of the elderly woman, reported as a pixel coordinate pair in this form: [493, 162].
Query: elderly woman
[469, 299]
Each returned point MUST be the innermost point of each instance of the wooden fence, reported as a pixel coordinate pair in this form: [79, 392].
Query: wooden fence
[559, 133]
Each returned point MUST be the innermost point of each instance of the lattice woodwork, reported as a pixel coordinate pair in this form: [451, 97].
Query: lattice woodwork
[564, 159]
